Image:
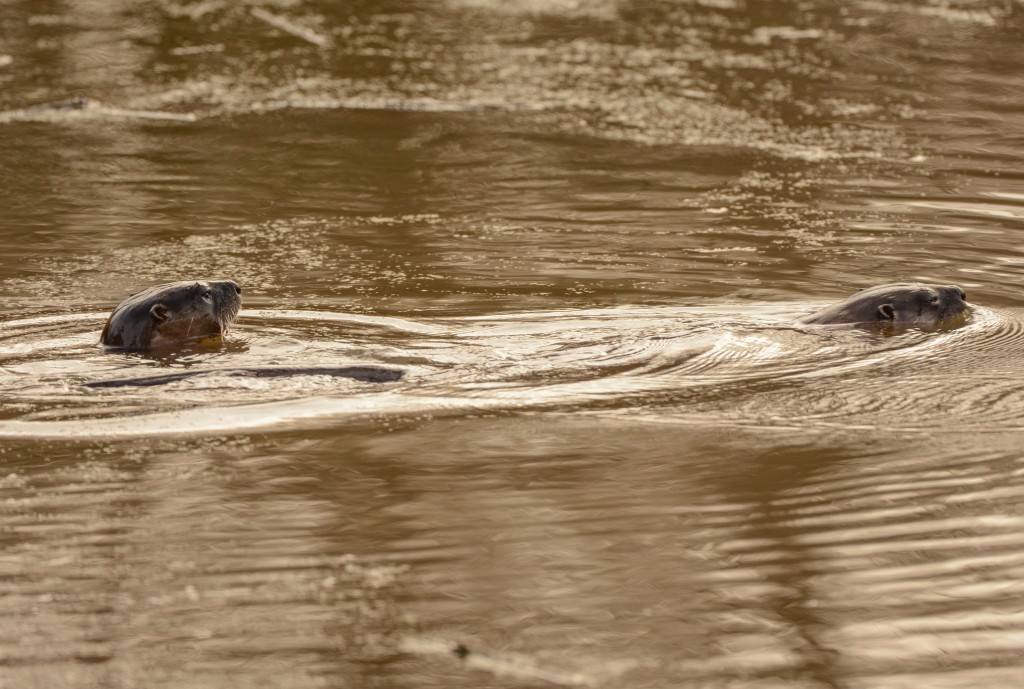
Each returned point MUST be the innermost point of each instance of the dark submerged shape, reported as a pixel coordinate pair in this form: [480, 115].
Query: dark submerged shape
[366, 374]
[172, 314]
[910, 304]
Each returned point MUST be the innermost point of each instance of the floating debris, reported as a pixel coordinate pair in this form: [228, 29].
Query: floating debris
[763, 35]
[198, 49]
[414, 105]
[82, 106]
[292, 28]
[515, 666]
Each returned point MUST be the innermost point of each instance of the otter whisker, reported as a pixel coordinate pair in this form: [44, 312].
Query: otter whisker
[906, 304]
[138, 323]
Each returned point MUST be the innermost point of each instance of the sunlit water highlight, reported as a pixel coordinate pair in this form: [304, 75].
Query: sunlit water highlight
[670, 364]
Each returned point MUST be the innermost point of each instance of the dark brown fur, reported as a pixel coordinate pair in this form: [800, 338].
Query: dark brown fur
[909, 304]
[172, 314]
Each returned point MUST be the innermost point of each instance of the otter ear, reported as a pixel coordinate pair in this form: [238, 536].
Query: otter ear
[159, 313]
[886, 312]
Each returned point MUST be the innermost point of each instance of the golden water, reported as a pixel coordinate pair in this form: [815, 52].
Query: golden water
[582, 231]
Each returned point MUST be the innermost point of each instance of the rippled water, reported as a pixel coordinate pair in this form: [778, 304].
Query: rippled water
[517, 396]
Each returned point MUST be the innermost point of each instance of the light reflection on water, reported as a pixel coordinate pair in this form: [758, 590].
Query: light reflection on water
[583, 231]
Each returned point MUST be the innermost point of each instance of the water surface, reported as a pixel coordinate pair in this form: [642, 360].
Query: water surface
[581, 232]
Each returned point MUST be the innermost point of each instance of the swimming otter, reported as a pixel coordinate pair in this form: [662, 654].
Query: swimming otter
[173, 314]
[907, 303]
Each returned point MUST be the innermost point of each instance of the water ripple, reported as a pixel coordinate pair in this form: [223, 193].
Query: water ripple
[727, 368]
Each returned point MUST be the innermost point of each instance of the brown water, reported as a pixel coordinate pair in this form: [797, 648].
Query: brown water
[580, 231]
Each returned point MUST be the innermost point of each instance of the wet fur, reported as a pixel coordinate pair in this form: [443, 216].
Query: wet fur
[173, 313]
[910, 304]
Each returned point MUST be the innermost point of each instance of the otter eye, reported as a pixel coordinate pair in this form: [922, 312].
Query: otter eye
[208, 294]
[934, 299]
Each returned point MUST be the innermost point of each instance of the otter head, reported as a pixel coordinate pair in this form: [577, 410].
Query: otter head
[173, 314]
[902, 304]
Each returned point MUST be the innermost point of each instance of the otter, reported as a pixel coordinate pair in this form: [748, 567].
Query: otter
[908, 304]
[173, 314]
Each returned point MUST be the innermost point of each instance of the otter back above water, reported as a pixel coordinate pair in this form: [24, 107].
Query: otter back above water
[371, 374]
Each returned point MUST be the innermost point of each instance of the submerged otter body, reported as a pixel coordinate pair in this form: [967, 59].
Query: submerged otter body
[173, 314]
[902, 304]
